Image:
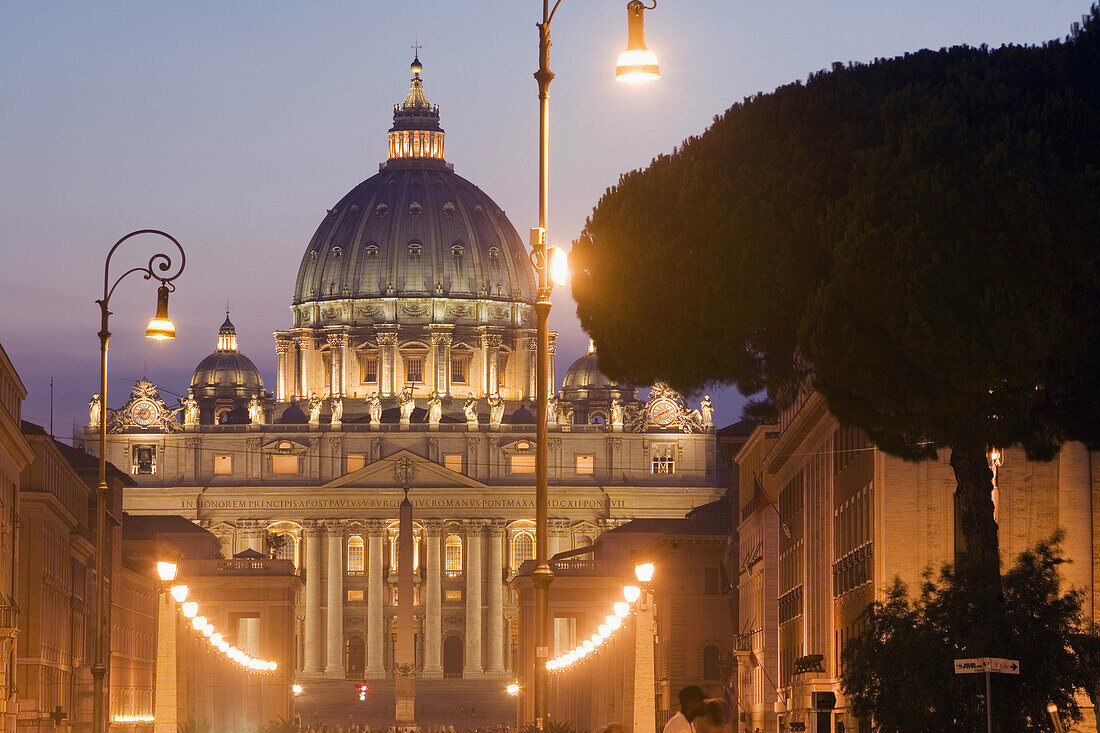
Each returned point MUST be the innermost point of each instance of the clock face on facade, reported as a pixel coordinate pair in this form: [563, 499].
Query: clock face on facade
[663, 412]
[144, 413]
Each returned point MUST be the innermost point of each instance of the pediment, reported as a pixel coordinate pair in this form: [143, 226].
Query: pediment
[388, 473]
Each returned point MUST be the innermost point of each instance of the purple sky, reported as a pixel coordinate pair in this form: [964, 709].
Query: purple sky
[234, 126]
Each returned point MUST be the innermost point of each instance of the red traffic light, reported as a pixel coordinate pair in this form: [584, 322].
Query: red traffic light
[363, 688]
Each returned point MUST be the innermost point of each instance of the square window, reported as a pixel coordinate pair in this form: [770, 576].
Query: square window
[453, 461]
[144, 459]
[223, 465]
[452, 595]
[354, 461]
[355, 596]
[284, 465]
[368, 368]
[664, 458]
[586, 465]
[523, 463]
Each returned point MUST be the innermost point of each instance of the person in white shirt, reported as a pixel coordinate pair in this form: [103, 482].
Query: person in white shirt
[691, 705]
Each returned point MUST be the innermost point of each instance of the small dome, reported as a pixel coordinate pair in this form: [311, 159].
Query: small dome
[585, 374]
[227, 373]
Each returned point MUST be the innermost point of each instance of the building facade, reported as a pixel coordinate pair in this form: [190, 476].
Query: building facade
[408, 364]
[828, 521]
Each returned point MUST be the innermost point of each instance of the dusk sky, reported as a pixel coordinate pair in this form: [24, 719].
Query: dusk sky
[234, 126]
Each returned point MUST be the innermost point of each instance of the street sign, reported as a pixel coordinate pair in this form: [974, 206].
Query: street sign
[987, 664]
[1004, 666]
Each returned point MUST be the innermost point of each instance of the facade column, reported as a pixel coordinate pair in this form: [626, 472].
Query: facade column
[375, 620]
[305, 358]
[313, 666]
[433, 666]
[494, 665]
[472, 661]
[441, 359]
[490, 347]
[284, 383]
[387, 362]
[335, 630]
[338, 342]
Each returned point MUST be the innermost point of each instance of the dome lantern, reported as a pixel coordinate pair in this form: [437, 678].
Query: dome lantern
[416, 132]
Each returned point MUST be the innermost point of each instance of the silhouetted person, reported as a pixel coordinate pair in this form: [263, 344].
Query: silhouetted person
[691, 705]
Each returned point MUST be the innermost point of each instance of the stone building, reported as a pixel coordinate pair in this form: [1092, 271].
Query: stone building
[827, 523]
[408, 363]
[682, 635]
[15, 455]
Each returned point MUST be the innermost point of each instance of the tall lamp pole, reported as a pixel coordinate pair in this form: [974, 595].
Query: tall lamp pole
[160, 328]
[636, 64]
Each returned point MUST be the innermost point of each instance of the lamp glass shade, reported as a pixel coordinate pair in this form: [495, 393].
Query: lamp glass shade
[161, 326]
[631, 593]
[637, 63]
[613, 622]
[198, 622]
[189, 609]
[166, 571]
[621, 609]
[179, 592]
[644, 572]
[559, 266]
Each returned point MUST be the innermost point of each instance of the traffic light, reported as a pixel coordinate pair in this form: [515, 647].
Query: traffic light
[362, 692]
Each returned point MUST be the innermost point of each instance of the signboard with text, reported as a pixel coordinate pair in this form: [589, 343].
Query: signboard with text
[987, 664]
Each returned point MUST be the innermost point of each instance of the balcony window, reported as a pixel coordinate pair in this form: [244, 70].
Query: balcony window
[460, 369]
[368, 368]
[664, 458]
[356, 555]
[523, 548]
[414, 369]
[452, 555]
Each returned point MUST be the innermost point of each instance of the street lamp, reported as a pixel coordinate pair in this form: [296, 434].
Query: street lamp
[166, 571]
[637, 63]
[159, 328]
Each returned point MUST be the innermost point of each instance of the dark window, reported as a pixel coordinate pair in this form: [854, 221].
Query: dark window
[712, 582]
[710, 662]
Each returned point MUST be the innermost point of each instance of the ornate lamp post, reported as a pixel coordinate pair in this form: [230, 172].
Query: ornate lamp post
[636, 64]
[160, 328]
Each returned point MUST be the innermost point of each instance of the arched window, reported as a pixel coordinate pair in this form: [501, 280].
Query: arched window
[284, 546]
[584, 541]
[356, 555]
[523, 548]
[710, 662]
[452, 555]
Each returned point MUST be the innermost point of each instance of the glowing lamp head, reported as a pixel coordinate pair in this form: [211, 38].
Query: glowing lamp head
[1052, 708]
[631, 593]
[559, 266]
[613, 622]
[166, 571]
[179, 592]
[513, 689]
[622, 608]
[637, 63]
[189, 609]
[161, 327]
[596, 639]
[198, 622]
[588, 646]
[296, 689]
[208, 629]
[644, 572]
[604, 630]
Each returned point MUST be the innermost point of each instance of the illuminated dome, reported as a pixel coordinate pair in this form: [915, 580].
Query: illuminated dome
[589, 391]
[227, 373]
[415, 230]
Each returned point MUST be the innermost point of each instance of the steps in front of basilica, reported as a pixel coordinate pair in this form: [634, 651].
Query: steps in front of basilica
[461, 703]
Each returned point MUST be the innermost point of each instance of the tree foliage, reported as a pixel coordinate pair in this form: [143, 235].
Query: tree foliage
[915, 238]
[899, 670]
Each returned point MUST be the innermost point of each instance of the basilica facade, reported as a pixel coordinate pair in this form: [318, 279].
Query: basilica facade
[408, 366]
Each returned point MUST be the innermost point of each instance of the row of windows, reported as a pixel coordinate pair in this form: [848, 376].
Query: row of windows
[414, 368]
[519, 463]
[522, 546]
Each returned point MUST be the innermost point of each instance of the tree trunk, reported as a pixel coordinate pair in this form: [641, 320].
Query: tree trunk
[977, 555]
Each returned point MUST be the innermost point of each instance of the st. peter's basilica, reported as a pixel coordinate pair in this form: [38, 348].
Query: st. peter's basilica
[408, 365]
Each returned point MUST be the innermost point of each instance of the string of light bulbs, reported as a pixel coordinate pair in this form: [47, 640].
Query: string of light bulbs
[612, 623]
[190, 611]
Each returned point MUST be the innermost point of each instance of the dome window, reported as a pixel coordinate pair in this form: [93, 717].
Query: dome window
[353, 210]
[478, 209]
[494, 253]
[457, 250]
[372, 250]
[414, 249]
[449, 209]
[336, 252]
[313, 254]
[415, 209]
[381, 209]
